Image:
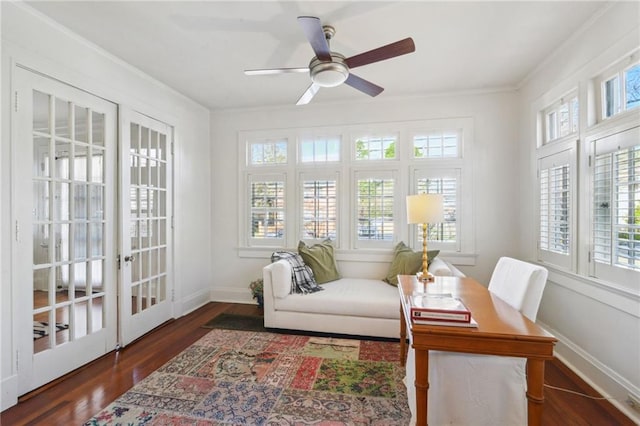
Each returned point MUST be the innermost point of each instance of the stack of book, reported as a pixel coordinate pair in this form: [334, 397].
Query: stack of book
[439, 310]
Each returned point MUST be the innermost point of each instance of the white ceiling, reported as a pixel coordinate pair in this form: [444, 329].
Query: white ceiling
[201, 48]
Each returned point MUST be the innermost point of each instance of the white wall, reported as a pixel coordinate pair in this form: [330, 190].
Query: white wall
[495, 127]
[31, 40]
[598, 327]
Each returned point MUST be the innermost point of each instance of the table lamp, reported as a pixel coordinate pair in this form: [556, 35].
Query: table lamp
[425, 209]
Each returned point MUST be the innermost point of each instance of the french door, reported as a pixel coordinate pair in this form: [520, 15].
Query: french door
[91, 201]
[63, 198]
[145, 218]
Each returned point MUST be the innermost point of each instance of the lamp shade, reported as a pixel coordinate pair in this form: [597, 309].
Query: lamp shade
[425, 208]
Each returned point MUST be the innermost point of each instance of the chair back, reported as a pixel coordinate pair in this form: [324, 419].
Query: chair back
[520, 284]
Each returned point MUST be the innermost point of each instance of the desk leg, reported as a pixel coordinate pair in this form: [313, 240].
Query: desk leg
[422, 386]
[535, 389]
[403, 338]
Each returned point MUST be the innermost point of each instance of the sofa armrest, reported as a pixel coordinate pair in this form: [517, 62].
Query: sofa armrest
[442, 268]
[277, 279]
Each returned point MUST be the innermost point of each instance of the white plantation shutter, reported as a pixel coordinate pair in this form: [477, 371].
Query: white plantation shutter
[267, 209]
[319, 205]
[445, 235]
[554, 209]
[556, 175]
[375, 208]
[616, 206]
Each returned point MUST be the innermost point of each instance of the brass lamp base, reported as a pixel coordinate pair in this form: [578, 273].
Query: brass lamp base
[425, 276]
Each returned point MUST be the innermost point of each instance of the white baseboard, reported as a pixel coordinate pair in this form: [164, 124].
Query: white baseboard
[192, 303]
[8, 392]
[604, 380]
[231, 295]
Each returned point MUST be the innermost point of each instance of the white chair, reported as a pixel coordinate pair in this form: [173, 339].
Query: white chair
[467, 389]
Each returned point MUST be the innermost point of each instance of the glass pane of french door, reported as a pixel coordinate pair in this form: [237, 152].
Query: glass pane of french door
[148, 217]
[69, 222]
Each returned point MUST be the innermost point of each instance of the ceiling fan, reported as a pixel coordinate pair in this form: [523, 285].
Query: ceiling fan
[330, 69]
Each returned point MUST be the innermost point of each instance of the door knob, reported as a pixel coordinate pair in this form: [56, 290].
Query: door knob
[129, 258]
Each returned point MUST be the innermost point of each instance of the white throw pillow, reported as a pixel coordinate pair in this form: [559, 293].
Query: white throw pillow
[281, 278]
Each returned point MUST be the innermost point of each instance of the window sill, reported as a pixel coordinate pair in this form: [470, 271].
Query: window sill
[616, 296]
[369, 255]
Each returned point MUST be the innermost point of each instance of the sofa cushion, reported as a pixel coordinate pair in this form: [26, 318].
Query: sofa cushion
[406, 262]
[349, 297]
[321, 259]
[301, 274]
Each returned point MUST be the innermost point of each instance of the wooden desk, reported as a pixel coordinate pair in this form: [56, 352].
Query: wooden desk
[502, 330]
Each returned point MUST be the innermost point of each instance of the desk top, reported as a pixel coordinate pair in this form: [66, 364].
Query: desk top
[498, 322]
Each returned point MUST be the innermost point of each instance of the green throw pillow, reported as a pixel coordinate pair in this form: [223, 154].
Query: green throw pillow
[320, 258]
[406, 262]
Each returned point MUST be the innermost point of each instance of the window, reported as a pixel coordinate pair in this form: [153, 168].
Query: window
[320, 149]
[319, 208]
[616, 202]
[588, 177]
[375, 201]
[375, 147]
[611, 89]
[620, 87]
[632, 87]
[267, 213]
[354, 192]
[436, 145]
[445, 182]
[561, 118]
[556, 185]
[268, 152]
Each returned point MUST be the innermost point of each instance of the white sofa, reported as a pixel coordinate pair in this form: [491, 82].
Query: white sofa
[355, 306]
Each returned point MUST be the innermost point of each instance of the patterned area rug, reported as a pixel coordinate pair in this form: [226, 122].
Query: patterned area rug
[252, 378]
[41, 329]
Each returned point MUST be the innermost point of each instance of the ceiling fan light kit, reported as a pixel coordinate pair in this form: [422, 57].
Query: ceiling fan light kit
[329, 74]
[331, 69]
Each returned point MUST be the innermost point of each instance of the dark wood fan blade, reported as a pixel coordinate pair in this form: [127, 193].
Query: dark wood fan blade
[312, 28]
[308, 95]
[275, 71]
[363, 85]
[389, 51]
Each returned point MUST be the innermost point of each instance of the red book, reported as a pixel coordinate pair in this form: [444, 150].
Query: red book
[438, 308]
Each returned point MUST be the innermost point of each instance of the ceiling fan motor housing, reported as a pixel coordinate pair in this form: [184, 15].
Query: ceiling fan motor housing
[329, 73]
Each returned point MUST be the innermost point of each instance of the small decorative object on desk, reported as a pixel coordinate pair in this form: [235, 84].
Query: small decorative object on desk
[425, 278]
[438, 308]
[256, 288]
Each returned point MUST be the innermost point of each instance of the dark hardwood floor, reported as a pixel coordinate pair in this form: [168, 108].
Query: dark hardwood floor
[76, 397]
